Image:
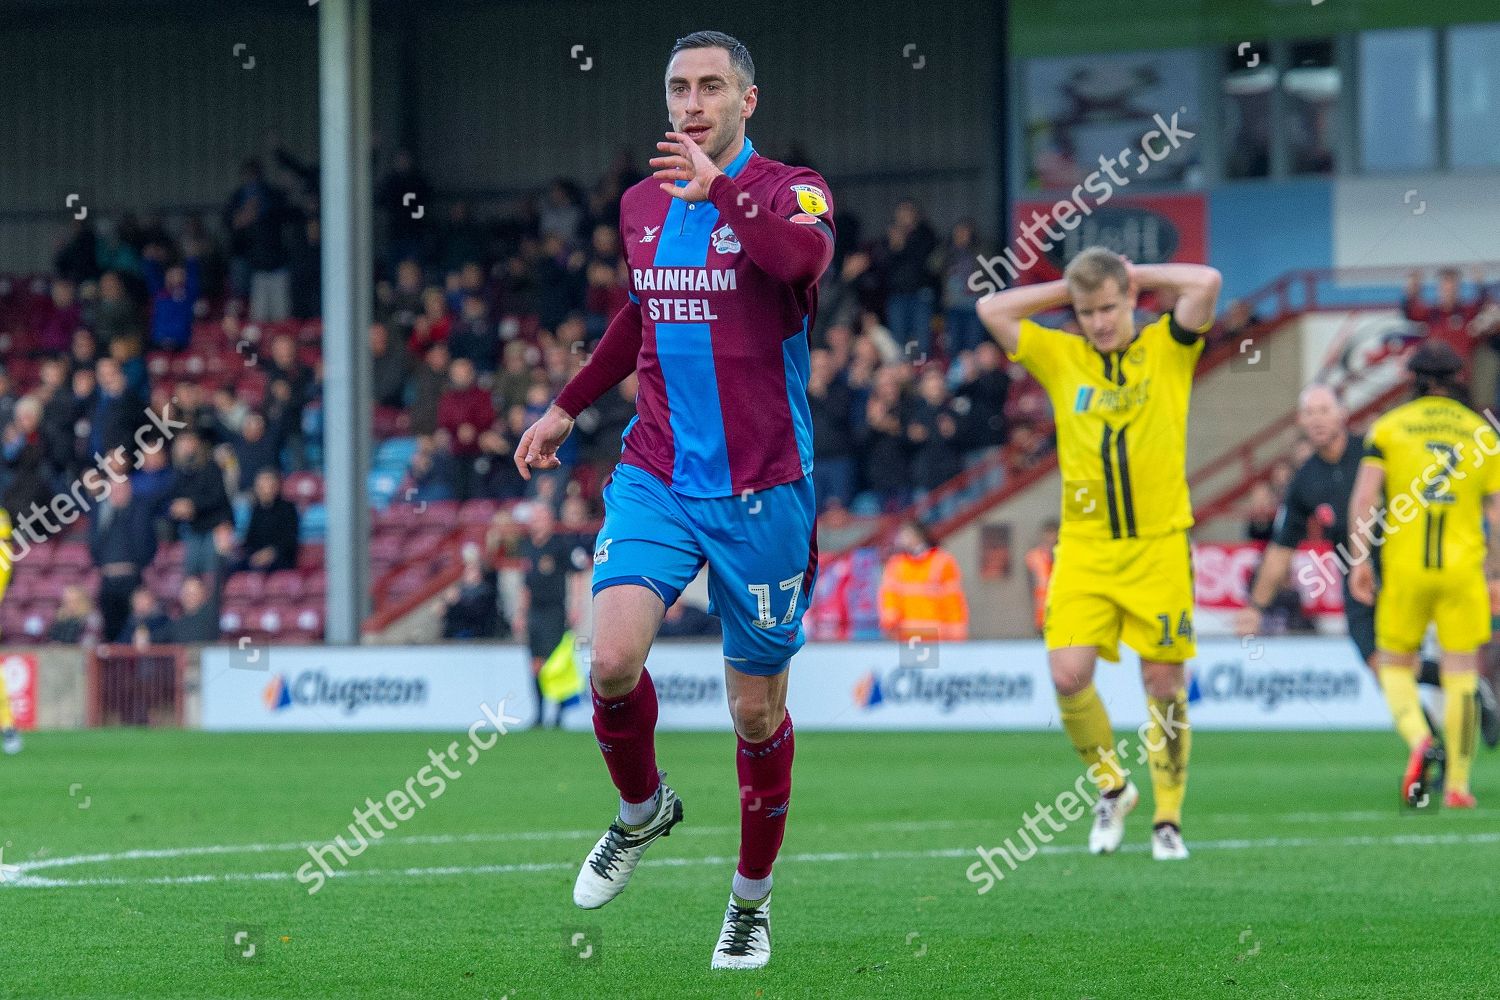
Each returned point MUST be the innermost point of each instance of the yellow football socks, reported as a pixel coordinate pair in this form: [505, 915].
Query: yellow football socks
[1169, 742]
[1087, 725]
[1460, 720]
[1400, 687]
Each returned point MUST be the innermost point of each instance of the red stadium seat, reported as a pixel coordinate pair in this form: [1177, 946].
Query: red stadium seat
[247, 586]
[284, 584]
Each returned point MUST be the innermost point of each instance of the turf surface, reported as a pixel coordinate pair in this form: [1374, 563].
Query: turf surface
[1305, 881]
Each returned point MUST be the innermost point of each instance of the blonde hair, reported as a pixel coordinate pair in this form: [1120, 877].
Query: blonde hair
[1093, 267]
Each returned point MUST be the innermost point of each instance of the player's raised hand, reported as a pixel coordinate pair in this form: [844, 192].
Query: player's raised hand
[538, 447]
[685, 160]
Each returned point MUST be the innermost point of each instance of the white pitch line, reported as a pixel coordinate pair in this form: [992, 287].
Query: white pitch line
[28, 881]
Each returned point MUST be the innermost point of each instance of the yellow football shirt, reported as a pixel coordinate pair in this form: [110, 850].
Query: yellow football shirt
[1121, 427]
[1441, 459]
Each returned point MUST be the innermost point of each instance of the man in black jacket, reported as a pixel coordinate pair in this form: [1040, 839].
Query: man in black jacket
[271, 536]
[123, 545]
[833, 432]
[199, 502]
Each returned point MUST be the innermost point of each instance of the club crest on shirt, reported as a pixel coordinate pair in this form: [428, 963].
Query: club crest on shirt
[725, 241]
[651, 232]
[811, 199]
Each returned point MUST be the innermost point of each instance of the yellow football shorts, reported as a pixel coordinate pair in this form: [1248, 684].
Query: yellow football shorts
[1457, 601]
[1138, 589]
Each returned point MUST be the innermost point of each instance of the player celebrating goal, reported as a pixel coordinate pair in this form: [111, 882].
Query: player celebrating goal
[725, 248]
[1428, 481]
[1123, 567]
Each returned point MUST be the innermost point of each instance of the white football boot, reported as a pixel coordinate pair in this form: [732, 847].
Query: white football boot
[1166, 843]
[607, 869]
[745, 941]
[1109, 820]
[11, 741]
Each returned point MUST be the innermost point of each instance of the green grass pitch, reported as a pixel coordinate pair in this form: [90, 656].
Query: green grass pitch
[1306, 880]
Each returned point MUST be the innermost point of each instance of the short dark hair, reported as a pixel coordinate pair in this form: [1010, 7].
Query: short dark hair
[739, 56]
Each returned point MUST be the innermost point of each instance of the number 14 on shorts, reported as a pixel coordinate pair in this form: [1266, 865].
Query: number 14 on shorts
[1184, 628]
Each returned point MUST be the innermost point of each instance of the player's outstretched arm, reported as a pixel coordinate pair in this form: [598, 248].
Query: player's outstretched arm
[1268, 579]
[615, 357]
[1197, 287]
[1001, 312]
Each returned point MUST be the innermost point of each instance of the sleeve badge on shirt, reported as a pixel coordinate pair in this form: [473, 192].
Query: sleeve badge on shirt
[811, 198]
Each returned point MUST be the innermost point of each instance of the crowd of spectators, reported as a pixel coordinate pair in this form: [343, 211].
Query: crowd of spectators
[479, 318]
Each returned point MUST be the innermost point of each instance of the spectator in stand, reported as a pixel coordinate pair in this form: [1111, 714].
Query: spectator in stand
[390, 365]
[562, 213]
[903, 261]
[514, 378]
[979, 402]
[883, 443]
[254, 452]
[151, 486]
[123, 545]
[475, 338]
[76, 622]
[117, 410]
[127, 353]
[199, 501]
[174, 296]
[429, 475]
[404, 197]
[1260, 513]
[229, 413]
[116, 314]
[471, 607]
[553, 567]
[67, 424]
[7, 398]
[83, 352]
[1237, 320]
[77, 260]
[270, 541]
[428, 384]
[255, 216]
[464, 413]
[405, 303]
[842, 293]
[1451, 318]
[434, 325]
[306, 265]
[932, 429]
[148, 624]
[55, 333]
[560, 281]
[1039, 569]
[833, 434]
[956, 263]
[921, 590]
[25, 478]
[197, 620]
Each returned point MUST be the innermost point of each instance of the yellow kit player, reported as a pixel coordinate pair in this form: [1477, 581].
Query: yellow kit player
[1429, 481]
[1123, 568]
[10, 737]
